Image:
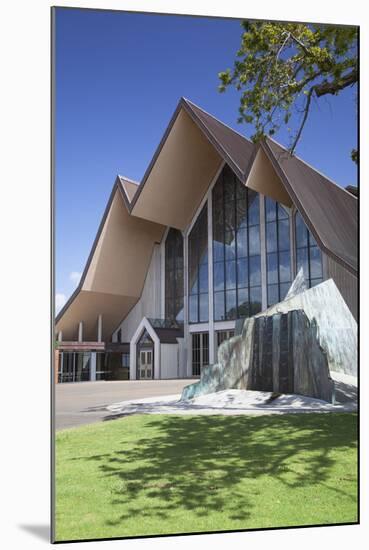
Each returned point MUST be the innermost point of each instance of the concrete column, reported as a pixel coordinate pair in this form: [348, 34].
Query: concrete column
[60, 336]
[187, 335]
[99, 328]
[132, 361]
[93, 366]
[80, 331]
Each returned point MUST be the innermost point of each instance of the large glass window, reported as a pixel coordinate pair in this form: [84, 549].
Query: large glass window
[198, 285]
[308, 254]
[278, 250]
[174, 290]
[200, 352]
[236, 249]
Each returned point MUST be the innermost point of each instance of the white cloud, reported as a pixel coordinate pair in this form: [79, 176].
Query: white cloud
[60, 300]
[75, 277]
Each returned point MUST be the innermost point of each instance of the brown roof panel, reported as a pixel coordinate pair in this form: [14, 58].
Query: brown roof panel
[330, 212]
[352, 189]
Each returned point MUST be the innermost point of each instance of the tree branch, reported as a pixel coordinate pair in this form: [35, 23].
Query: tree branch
[283, 45]
[306, 50]
[304, 118]
[336, 85]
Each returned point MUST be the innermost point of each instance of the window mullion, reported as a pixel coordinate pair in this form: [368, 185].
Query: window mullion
[278, 263]
[236, 241]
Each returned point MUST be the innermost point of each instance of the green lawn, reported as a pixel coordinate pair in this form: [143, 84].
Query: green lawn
[145, 475]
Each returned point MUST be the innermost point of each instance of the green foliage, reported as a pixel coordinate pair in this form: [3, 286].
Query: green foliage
[281, 66]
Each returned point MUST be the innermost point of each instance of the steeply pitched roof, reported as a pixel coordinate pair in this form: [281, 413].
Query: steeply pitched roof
[236, 150]
[329, 211]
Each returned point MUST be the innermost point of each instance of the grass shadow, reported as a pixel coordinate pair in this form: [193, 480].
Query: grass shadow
[198, 463]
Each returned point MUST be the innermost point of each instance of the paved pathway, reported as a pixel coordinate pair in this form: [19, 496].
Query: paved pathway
[85, 402]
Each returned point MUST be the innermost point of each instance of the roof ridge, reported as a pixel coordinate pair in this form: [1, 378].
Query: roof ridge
[217, 119]
[128, 179]
[312, 168]
[202, 124]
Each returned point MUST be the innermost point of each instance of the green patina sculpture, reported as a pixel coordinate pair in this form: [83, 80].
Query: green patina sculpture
[292, 347]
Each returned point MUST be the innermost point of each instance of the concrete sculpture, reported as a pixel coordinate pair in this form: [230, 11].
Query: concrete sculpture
[292, 347]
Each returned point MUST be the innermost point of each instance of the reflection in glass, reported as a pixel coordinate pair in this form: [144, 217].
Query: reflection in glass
[231, 310]
[243, 302]
[255, 300]
[204, 308]
[242, 272]
[198, 281]
[272, 267]
[219, 313]
[254, 240]
[278, 250]
[316, 270]
[236, 246]
[254, 271]
[308, 255]
[174, 283]
[301, 232]
[218, 276]
[230, 274]
[285, 267]
[193, 314]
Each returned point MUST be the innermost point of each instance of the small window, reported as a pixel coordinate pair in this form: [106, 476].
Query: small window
[125, 360]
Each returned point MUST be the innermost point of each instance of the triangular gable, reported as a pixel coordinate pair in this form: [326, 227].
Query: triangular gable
[235, 149]
[189, 155]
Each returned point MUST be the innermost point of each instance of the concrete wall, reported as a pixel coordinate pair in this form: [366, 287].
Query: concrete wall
[346, 283]
[149, 305]
[169, 360]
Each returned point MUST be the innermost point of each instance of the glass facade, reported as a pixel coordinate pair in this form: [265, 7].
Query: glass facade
[198, 281]
[236, 249]
[308, 254]
[278, 250]
[239, 252]
[75, 366]
[200, 352]
[174, 289]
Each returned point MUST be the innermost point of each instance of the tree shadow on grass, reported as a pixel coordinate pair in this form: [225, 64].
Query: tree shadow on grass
[197, 463]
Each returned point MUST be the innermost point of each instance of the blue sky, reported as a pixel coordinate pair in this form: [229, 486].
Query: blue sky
[119, 77]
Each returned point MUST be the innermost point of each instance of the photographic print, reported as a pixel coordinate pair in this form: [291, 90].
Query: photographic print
[205, 364]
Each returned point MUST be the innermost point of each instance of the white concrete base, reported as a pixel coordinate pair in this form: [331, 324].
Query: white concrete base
[228, 402]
